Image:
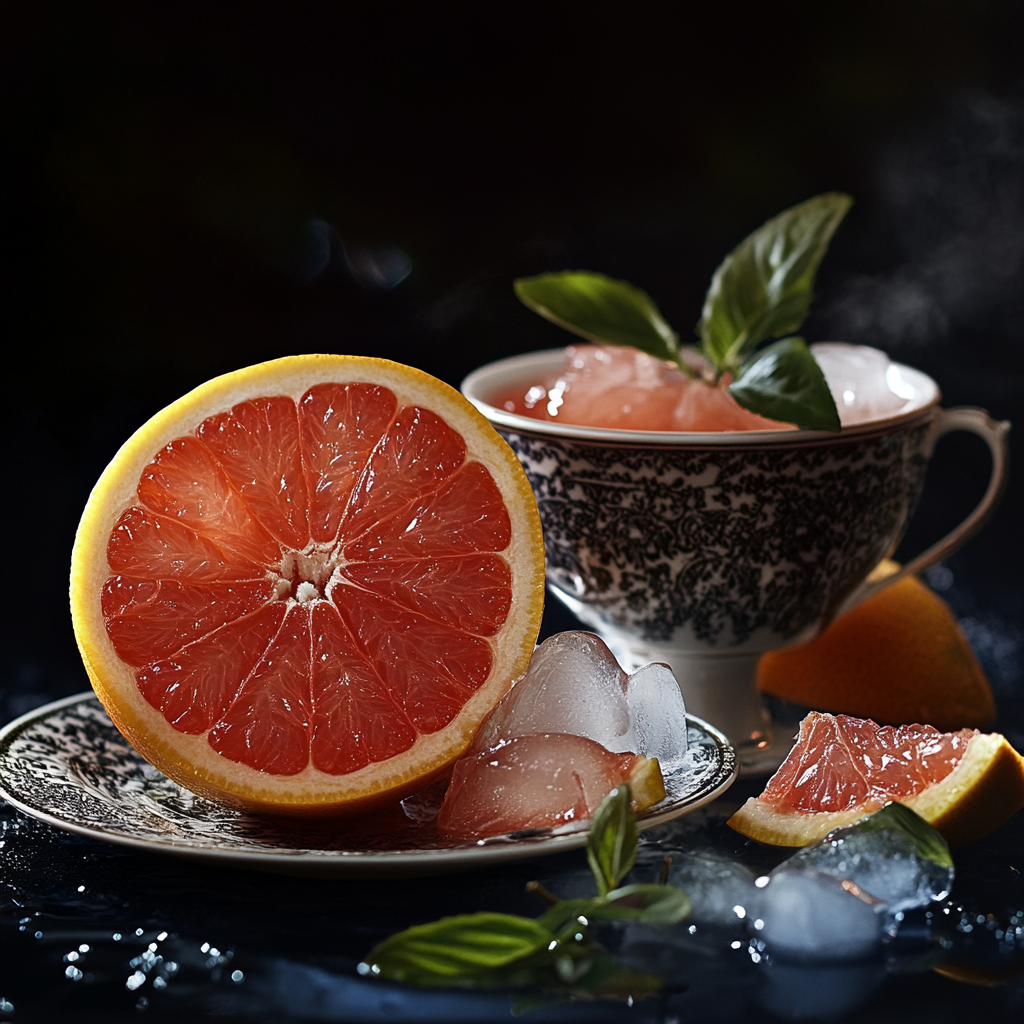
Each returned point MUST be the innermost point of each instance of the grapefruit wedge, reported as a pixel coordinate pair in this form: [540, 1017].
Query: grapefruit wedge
[301, 587]
[965, 784]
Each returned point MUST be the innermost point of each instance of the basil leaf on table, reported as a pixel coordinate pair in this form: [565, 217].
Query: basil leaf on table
[454, 948]
[784, 382]
[651, 904]
[763, 288]
[600, 309]
[612, 840]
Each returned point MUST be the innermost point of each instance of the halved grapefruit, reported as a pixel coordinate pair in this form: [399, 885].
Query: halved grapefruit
[302, 586]
[965, 784]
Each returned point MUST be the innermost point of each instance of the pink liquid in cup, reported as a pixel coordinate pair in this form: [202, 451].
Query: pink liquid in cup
[623, 389]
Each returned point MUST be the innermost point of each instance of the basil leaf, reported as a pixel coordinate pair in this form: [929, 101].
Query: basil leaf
[612, 840]
[763, 288]
[652, 904]
[457, 948]
[928, 844]
[568, 912]
[600, 309]
[783, 382]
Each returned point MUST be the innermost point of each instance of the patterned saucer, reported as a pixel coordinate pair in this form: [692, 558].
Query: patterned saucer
[67, 765]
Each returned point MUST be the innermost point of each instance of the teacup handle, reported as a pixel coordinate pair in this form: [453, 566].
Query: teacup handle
[993, 433]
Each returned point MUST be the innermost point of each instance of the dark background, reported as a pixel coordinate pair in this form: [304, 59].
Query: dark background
[189, 188]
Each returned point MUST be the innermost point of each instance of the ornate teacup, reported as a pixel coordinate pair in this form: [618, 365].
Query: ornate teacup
[705, 550]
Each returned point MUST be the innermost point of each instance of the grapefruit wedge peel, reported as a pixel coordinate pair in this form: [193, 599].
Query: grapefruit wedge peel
[340, 584]
[983, 790]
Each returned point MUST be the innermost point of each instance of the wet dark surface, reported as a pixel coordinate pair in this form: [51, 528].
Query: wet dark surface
[91, 931]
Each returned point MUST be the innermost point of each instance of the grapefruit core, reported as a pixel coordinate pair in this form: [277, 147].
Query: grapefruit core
[302, 586]
[965, 784]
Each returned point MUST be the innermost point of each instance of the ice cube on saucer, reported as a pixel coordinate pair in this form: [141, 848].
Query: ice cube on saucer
[541, 780]
[575, 686]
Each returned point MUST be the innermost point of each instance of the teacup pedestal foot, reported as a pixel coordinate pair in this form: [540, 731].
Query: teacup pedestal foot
[721, 689]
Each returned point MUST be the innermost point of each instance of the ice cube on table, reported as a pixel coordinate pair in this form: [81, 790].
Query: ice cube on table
[575, 686]
[722, 892]
[884, 862]
[808, 915]
[541, 780]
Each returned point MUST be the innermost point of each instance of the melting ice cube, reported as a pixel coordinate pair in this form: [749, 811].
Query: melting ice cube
[575, 686]
[722, 892]
[807, 915]
[570, 730]
[884, 857]
[889, 862]
[864, 383]
[542, 780]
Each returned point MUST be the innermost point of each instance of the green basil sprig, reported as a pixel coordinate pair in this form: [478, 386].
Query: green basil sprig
[761, 290]
[553, 952]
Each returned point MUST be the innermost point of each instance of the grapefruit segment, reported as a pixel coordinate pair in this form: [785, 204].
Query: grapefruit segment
[186, 484]
[151, 619]
[472, 592]
[257, 444]
[965, 784]
[267, 724]
[415, 456]
[429, 668]
[195, 687]
[465, 515]
[340, 425]
[356, 722]
[302, 586]
[168, 550]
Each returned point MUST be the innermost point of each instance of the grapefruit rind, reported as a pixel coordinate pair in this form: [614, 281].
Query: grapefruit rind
[898, 658]
[985, 790]
[189, 759]
[646, 785]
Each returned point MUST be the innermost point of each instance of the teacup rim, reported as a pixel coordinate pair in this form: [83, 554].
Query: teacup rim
[507, 421]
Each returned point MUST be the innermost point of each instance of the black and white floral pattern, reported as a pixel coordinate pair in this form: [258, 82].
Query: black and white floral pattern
[720, 547]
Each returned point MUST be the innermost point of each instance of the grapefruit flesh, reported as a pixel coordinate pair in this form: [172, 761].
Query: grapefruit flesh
[963, 783]
[541, 780]
[302, 586]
